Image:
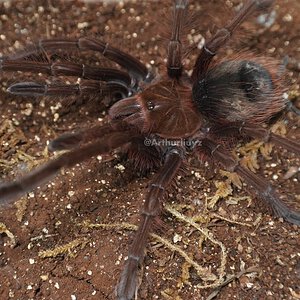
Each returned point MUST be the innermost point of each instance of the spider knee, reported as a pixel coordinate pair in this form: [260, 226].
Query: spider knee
[158, 186]
[134, 257]
[267, 192]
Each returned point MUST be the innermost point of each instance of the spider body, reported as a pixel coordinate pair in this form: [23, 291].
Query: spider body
[181, 115]
[240, 91]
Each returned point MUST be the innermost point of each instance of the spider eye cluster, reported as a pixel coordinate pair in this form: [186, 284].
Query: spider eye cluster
[150, 105]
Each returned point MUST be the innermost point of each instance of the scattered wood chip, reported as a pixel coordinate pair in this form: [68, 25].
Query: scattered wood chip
[3, 229]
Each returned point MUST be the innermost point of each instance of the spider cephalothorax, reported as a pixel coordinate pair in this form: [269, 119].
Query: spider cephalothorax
[202, 114]
[164, 108]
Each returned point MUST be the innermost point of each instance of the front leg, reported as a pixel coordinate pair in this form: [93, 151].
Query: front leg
[127, 285]
[10, 191]
[174, 60]
[222, 36]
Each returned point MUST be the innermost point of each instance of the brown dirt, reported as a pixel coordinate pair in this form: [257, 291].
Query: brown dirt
[262, 260]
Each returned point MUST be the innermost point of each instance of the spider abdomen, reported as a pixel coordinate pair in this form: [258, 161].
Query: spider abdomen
[255, 81]
[239, 91]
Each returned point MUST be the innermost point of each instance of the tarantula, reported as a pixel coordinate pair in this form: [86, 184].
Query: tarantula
[202, 114]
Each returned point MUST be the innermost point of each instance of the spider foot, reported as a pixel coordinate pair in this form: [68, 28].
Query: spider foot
[293, 108]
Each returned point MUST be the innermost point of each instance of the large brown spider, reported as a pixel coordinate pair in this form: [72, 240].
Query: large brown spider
[204, 114]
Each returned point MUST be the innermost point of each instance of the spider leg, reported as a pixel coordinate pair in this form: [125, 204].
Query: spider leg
[293, 108]
[116, 81]
[270, 137]
[72, 140]
[135, 68]
[211, 48]
[84, 87]
[128, 282]
[262, 134]
[263, 189]
[10, 191]
[174, 60]
[67, 69]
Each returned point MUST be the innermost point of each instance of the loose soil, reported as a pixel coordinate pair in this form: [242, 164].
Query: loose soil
[49, 247]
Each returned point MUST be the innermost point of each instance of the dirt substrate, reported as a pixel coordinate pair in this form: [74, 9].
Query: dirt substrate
[66, 240]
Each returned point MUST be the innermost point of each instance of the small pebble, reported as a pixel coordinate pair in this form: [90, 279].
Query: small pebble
[71, 193]
[177, 238]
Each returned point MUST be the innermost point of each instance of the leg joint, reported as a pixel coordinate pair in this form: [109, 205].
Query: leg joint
[133, 257]
[157, 185]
